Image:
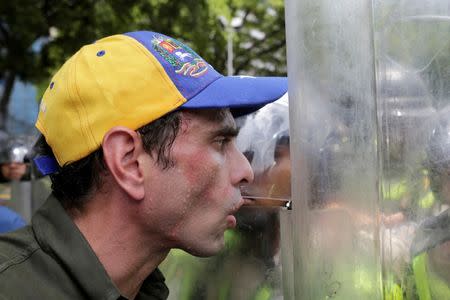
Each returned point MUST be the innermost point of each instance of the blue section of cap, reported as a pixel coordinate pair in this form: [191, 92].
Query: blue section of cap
[201, 85]
[46, 164]
[188, 71]
[242, 94]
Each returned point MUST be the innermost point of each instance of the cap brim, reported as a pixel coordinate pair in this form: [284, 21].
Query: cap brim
[242, 94]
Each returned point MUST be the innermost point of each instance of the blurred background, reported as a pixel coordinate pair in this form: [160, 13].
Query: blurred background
[236, 37]
[36, 37]
[361, 145]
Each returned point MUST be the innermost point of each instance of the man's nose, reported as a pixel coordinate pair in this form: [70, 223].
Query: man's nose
[243, 172]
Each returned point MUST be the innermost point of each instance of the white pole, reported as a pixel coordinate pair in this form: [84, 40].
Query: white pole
[230, 32]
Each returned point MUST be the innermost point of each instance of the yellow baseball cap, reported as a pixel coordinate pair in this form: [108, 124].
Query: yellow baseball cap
[131, 80]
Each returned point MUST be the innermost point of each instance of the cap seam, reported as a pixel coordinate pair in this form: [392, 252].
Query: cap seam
[66, 90]
[86, 129]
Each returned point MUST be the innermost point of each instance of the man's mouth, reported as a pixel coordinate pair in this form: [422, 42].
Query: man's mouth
[231, 221]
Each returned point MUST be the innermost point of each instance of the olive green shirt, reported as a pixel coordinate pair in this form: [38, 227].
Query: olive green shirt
[50, 259]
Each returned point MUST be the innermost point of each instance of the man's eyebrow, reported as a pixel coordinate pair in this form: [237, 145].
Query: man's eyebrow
[229, 131]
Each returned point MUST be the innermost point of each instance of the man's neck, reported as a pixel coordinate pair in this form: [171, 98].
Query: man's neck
[127, 255]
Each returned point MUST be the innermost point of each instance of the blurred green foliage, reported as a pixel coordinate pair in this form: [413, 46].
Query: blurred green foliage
[37, 36]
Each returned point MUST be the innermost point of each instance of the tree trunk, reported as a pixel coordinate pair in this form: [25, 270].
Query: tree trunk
[7, 90]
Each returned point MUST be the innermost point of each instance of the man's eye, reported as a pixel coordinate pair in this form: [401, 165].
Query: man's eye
[222, 141]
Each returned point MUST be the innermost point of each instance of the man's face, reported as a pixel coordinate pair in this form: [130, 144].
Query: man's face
[280, 173]
[13, 170]
[196, 198]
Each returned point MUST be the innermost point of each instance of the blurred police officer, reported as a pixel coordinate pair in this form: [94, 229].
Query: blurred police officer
[430, 250]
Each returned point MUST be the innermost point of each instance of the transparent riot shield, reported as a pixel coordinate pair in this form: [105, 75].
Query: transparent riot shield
[368, 83]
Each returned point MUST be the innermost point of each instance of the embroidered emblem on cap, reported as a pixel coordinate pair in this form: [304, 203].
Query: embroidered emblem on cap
[185, 61]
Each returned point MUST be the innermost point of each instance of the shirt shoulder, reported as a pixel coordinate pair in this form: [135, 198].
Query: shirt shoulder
[16, 248]
[29, 272]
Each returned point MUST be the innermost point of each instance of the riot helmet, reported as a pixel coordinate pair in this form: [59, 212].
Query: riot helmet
[14, 158]
[263, 138]
[15, 150]
[259, 133]
[405, 106]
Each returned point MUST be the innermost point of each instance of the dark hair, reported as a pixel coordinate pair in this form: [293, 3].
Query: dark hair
[74, 182]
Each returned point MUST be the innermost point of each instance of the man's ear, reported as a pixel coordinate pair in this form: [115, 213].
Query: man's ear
[121, 150]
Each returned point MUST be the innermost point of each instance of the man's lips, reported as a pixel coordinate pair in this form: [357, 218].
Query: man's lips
[237, 206]
[231, 219]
